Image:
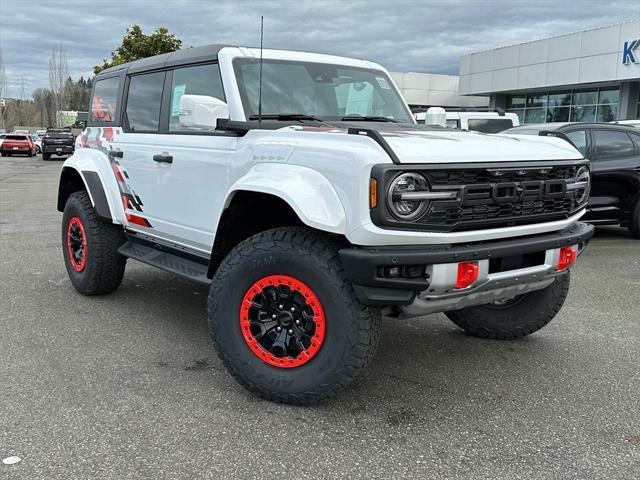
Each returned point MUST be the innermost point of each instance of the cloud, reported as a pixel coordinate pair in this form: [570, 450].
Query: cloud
[402, 35]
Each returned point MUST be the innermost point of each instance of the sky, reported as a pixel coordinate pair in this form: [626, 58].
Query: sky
[404, 35]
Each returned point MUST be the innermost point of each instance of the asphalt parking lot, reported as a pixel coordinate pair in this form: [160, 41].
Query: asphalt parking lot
[129, 386]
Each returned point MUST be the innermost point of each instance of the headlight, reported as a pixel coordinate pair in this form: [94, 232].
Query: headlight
[582, 185]
[402, 194]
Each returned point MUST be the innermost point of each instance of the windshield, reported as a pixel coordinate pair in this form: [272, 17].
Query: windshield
[324, 91]
[489, 125]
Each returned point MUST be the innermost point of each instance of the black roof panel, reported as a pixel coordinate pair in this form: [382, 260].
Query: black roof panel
[207, 53]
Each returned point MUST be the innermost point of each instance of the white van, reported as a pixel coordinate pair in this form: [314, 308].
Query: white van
[479, 121]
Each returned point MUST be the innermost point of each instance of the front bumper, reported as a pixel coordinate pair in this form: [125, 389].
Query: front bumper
[427, 273]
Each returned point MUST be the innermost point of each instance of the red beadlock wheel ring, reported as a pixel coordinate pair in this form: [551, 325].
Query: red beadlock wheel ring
[77, 244]
[282, 321]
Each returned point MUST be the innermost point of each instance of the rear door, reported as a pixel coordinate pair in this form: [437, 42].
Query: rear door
[137, 173]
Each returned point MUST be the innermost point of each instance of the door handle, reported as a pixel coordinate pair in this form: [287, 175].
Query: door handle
[163, 158]
[115, 153]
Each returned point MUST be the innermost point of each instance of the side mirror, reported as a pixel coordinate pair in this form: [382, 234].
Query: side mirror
[436, 116]
[201, 111]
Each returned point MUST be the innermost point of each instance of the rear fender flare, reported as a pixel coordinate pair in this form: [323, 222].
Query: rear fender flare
[100, 182]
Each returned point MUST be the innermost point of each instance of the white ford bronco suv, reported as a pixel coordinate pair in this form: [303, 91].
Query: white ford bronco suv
[301, 189]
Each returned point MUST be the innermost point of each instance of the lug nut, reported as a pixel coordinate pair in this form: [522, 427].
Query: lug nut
[293, 309]
[278, 328]
[280, 306]
[297, 322]
[274, 316]
[290, 332]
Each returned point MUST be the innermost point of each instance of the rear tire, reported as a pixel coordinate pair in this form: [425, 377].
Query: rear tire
[634, 223]
[90, 247]
[243, 296]
[522, 316]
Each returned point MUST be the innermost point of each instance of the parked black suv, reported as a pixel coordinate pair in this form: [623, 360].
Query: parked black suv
[614, 151]
[57, 141]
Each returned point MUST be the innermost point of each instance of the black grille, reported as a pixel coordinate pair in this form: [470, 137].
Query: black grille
[483, 209]
[475, 176]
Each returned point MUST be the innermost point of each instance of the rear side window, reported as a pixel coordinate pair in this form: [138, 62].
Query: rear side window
[198, 80]
[489, 125]
[612, 144]
[104, 101]
[143, 102]
[579, 139]
[453, 123]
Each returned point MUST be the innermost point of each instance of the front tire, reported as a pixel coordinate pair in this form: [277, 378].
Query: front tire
[286, 323]
[90, 248]
[516, 318]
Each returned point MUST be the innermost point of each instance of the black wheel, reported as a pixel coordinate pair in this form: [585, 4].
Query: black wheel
[30, 153]
[46, 156]
[286, 322]
[634, 222]
[516, 317]
[90, 246]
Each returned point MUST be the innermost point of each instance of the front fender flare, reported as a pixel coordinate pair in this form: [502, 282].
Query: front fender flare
[308, 192]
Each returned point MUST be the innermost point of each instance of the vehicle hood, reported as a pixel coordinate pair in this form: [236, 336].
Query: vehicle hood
[441, 146]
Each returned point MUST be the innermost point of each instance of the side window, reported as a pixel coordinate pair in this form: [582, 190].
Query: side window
[198, 80]
[579, 139]
[143, 102]
[104, 100]
[453, 123]
[612, 144]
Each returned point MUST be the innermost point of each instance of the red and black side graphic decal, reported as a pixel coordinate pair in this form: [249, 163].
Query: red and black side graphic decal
[100, 138]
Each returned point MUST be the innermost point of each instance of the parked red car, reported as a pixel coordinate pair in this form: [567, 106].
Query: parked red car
[17, 143]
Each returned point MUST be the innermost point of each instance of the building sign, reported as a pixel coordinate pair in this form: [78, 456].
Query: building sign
[629, 54]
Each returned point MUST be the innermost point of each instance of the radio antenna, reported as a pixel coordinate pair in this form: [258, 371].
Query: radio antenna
[260, 79]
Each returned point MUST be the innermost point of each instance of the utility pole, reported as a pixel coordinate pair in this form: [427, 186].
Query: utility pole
[22, 85]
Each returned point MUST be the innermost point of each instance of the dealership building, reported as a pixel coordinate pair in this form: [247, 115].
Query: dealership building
[587, 76]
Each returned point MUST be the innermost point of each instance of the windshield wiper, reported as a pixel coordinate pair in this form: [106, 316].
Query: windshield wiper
[368, 118]
[285, 116]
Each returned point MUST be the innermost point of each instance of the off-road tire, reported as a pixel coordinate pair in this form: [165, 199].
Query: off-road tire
[526, 315]
[104, 267]
[634, 222]
[352, 329]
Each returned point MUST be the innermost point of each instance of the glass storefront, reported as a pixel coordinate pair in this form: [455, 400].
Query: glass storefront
[593, 105]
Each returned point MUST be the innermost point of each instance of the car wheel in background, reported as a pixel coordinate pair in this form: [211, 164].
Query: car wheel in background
[46, 156]
[634, 223]
[516, 317]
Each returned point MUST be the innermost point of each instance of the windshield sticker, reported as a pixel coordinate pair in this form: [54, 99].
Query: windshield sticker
[383, 83]
[178, 91]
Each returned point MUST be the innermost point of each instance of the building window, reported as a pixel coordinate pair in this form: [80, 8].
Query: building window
[594, 105]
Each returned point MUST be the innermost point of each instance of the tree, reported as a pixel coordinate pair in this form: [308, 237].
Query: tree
[136, 45]
[58, 75]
